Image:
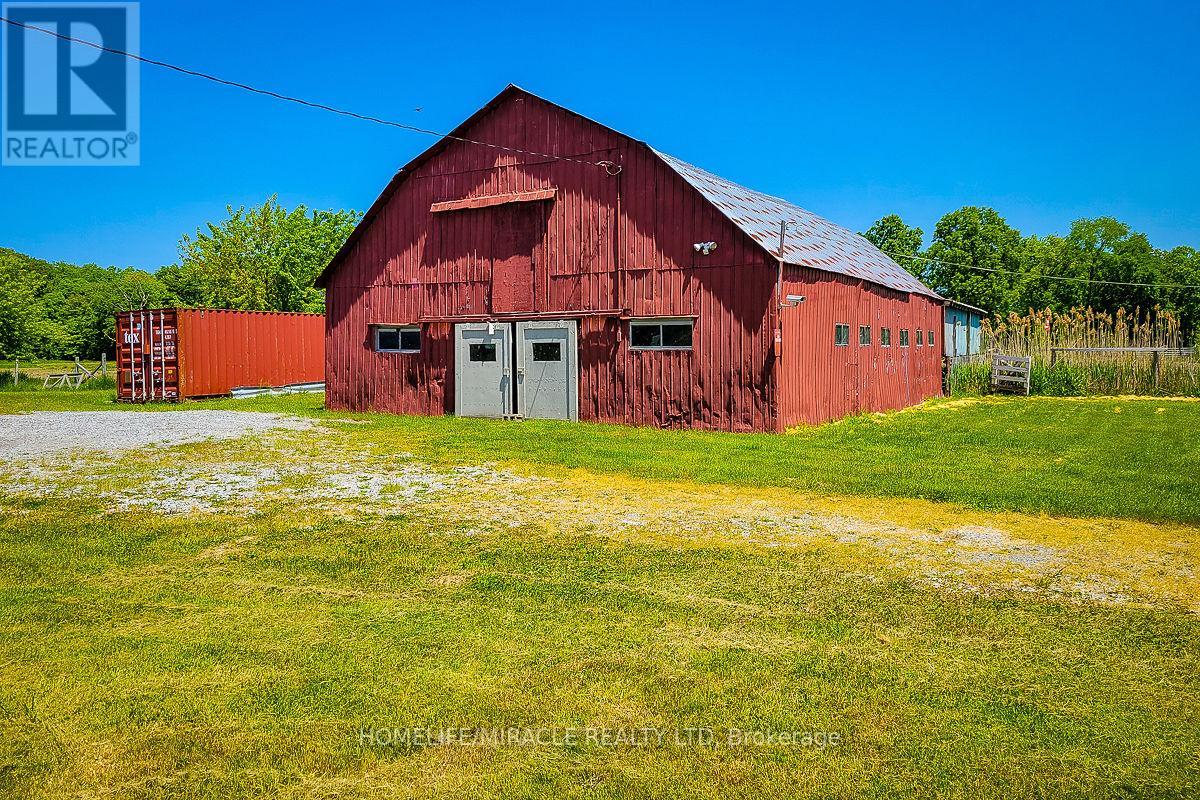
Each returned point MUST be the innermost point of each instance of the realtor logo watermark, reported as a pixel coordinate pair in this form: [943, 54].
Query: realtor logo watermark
[67, 103]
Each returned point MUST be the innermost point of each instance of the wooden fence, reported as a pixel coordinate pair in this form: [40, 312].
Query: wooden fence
[1157, 354]
[73, 379]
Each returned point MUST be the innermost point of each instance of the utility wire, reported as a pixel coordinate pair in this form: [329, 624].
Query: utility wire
[609, 166]
[1048, 277]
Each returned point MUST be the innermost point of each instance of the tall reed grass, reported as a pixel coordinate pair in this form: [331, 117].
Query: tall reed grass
[1069, 374]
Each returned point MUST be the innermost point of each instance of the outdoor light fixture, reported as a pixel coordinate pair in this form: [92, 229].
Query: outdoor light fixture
[793, 300]
[704, 248]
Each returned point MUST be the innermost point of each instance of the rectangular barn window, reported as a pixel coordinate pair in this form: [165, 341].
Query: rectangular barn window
[885, 337]
[482, 352]
[398, 340]
[547, 351]
[904, 337]
[920, 337]
[930, 340]
[864, 334]
[841, 334]
[660, 334]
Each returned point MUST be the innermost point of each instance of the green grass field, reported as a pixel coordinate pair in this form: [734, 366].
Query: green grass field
[985, 599]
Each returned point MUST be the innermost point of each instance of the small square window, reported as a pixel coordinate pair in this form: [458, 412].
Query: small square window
[920, 337]
[547, 351]
[482, 352]
[410, 340]
[677, 335]
[885, 337]
[864, 334]
[660, 335]
[841, 334]
[904, 337]
[387, 339]
[645, 335]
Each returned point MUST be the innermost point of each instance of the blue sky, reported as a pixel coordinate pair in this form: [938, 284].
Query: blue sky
[1047, 111]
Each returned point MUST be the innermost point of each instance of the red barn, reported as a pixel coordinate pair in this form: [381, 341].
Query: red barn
[565, 270]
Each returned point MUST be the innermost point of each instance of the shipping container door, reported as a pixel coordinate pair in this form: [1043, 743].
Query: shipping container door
[147, 362]
[547, 370]
[482, 369]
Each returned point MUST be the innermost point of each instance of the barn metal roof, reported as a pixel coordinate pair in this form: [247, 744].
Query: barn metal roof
[811, 241]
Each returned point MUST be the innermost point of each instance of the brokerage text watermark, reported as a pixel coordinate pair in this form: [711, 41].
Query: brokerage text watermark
[412, 737]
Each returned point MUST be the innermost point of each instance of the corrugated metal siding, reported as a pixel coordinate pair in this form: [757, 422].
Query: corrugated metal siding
[822, 381]
[609, 243]
[216, 351]
[220, 350]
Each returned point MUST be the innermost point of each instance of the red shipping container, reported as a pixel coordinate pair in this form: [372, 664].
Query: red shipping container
[173, 353]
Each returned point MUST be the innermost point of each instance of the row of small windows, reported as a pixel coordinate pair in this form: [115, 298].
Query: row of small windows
[647, 335]
[841, 336]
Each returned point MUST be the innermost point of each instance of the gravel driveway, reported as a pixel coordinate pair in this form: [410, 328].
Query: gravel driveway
[47, 433]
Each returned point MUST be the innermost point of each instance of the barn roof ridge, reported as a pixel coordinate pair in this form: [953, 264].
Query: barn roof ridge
[812, 242]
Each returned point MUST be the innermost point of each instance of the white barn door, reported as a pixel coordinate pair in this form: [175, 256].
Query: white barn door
[483, 370]
[548, 369]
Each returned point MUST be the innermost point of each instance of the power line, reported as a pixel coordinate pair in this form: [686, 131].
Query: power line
[1048, 277]
[609, 166]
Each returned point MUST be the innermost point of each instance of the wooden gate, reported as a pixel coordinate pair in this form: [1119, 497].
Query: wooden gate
[1010, 373]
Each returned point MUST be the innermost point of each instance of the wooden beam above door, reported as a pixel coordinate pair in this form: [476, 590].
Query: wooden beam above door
[493, 200]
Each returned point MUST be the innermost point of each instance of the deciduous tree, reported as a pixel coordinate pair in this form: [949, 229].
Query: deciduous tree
[265, 258]
[900, 241]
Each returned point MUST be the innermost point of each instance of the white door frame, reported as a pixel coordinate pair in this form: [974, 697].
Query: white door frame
[572, 358]
[504, 356]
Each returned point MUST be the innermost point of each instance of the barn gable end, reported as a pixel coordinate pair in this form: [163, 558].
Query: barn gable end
[604, 248]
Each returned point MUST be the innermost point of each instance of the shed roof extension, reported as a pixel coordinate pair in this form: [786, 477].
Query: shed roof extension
[965, 307]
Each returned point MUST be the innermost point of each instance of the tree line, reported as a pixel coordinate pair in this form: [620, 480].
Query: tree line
[976, 257]
[267, 257]
[264, 258]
